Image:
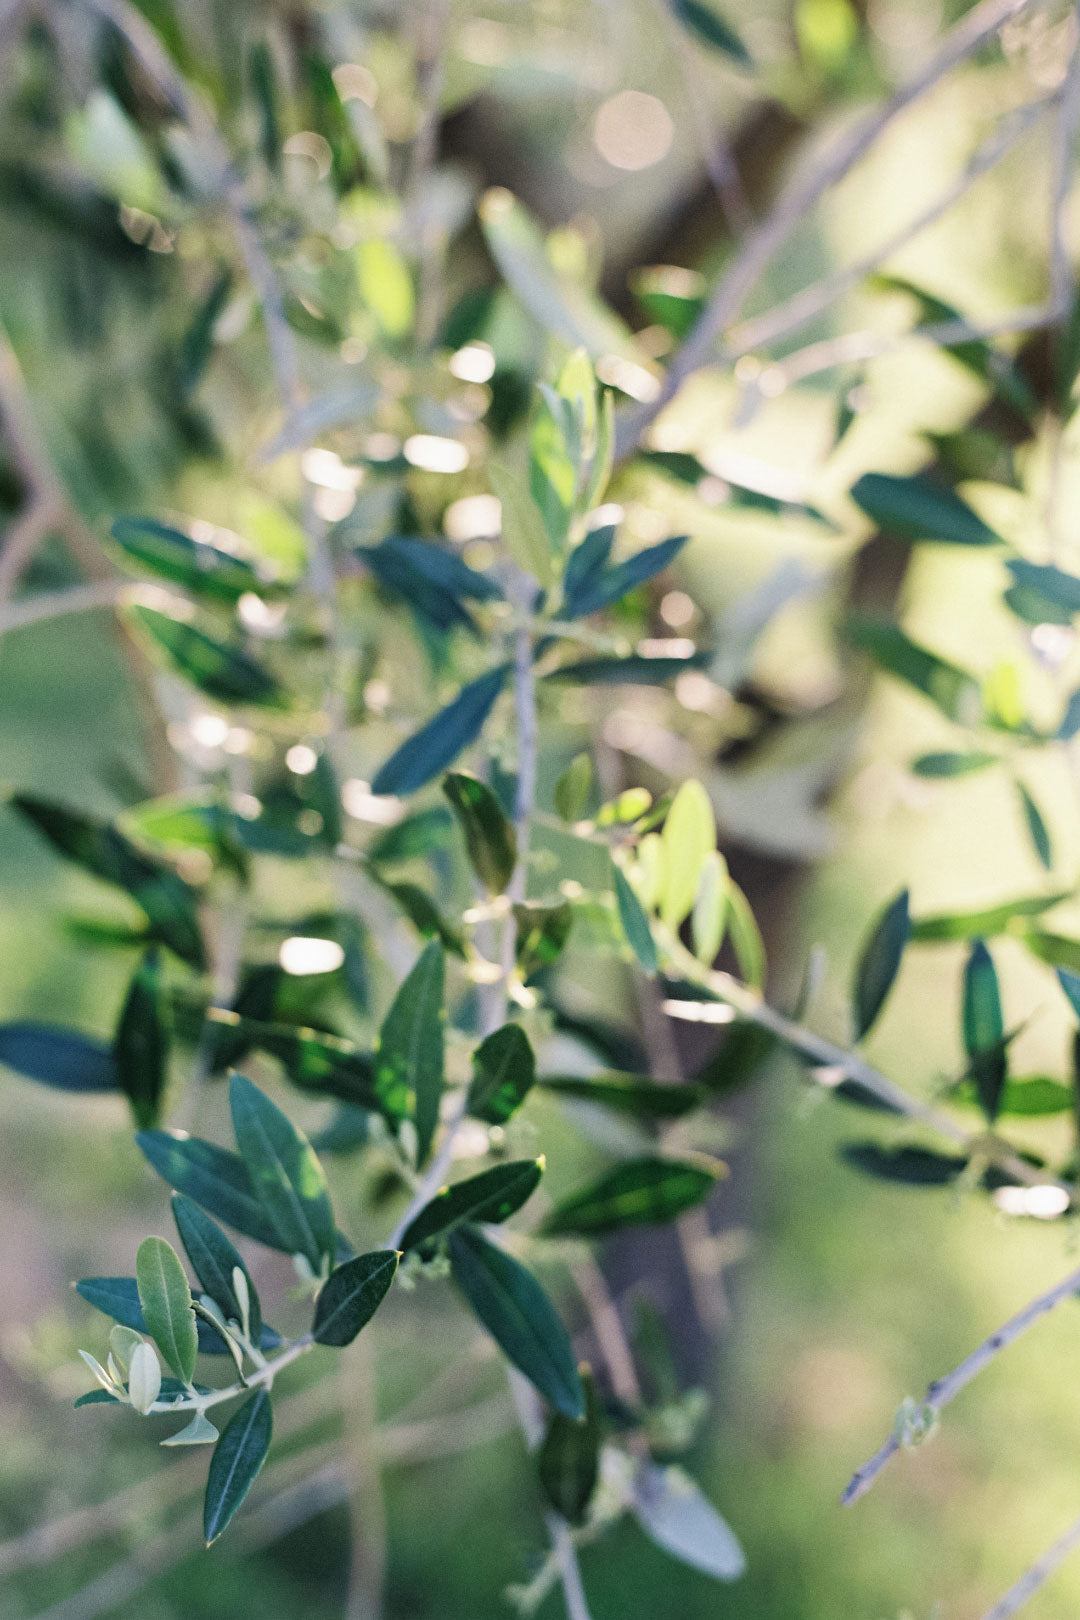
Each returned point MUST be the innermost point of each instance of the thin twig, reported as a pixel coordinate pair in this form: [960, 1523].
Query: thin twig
[762, 244]
[717, 152]
[944, 1390]
[803, 306]
[1037, 1575]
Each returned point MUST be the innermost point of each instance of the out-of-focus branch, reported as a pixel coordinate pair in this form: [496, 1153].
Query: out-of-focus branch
[763, 243]
[1037, 1575]
[717, 152]
[944, 1390]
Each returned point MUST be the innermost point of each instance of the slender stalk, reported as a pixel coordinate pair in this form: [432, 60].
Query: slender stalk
[1037, 1575]
[944, 1390]
[763, 244]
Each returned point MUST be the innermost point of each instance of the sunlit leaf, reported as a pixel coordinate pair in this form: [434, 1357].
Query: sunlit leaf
[640, 1192]
[165, 1297]
[982, 924]
[573, 788]
[285, 1174]
[542, 933]
[523, 529]
[224, 672]
[489, 835]
[504, 1069]
[689, 838]
[709, 916]
[386, 285]
[626, 1093]
[198, 565]
[409, 1054]
[745, 936]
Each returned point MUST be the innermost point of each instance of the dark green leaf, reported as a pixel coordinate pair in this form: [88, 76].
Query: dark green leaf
[915, 508]
[141, 1045]
[409, 1055]
[542, 932]
[214, 1260]
[57, 1057]
[171, 905]
[569, 1457]
[489, 1198]
[351, 1295]
[636, 669]
[196, 350]
[214, 1178]
[165, 1297]
[912, 1166]
[205, 569]
[879, 962]
[1070, 983]
[423, 913]
[953, 764]
[984, 1029]
[627, 1093]
[238, 1457]
[739, 1058]
[489, 836]
[671, 296]
[504, 1069]
[323, 1064]
[432, 581]
[287, 1177]
[437, 744]
[1055, 949]
[983, 359]
[226, 673]
[709, 27]
[956, 693]
[603, 587]
[639, 1192]
[635, 923]
[1038, 831]
[517, 1313]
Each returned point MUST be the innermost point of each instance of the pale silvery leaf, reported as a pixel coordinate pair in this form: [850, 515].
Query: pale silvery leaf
[673, 1512]
[99, 1372]
[123, 1342]
[144, 1377]
[199, 1432]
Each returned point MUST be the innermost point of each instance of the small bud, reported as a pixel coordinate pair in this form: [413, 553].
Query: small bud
[144, 1378]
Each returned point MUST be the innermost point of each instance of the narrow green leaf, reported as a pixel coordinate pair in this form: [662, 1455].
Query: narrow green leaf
[325, 1065]
[1038, 831]
[205, 569]
[949, 764]
[422, 833]
[984, 1029]
[165, 1296]
[287, 1177]
[214, 1260]
[745, 936]
[386, 286]
[409, 1055]
[573, 788]
[639, 1192]
[633, 1094]
[673, 297]
[212, 1177]
[709, 916]
[635, 669]
[635, 923]
[437, 744]
[504, 1069]
[238, 1457]
[141, 1044]
[569, 1457]
[554, 461]
[954, 691]
[879, 962]
[517, 1313]
[489, 1198]
[523, 530]
[489, 835]
[351, 1295]
[982, 924]
[57, 1057]
[711, 29]
[1070, 983]
[689, 838]
[1053, 585]
[224, 672]
[609, 585]
[917, 509]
